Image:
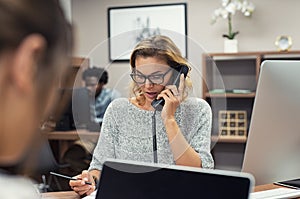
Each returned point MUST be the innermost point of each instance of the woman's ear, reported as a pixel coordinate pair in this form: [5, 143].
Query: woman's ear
[25, 61]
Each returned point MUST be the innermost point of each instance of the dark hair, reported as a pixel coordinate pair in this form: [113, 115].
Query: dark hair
[23, 18]
[96, 72]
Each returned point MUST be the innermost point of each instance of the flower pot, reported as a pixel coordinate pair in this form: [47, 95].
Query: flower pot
[230, 45]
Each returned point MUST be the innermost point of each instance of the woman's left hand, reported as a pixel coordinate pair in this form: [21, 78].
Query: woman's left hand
[172, 96]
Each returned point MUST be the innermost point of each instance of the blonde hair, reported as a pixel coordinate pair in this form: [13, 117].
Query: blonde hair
[161, 47]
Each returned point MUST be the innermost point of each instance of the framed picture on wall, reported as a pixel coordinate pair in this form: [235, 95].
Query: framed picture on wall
[129, 25]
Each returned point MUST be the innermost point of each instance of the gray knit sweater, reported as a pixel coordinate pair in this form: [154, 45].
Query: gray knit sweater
[126, 133]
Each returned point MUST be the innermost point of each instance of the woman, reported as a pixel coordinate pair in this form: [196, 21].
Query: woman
[35, 47]
[183, 126]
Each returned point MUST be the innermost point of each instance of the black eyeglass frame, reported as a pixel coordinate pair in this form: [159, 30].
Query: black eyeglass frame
[149, 77]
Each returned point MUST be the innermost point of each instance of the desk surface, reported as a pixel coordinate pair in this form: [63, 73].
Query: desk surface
[67, 138]
[266, 187]
[75, 135]
[61, 194]
[73, 195]
[72, 135]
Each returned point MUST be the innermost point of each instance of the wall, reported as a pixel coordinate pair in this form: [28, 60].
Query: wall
[270, 19]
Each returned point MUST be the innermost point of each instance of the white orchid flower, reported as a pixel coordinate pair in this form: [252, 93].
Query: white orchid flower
[225, 2]
[231, 8]
[228, 9]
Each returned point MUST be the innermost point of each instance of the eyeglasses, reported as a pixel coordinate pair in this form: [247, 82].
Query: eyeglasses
[154, 79]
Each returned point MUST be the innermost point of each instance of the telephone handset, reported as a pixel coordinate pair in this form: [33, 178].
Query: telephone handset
[159, 103]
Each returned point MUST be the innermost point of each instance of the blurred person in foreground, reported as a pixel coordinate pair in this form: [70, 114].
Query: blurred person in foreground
[35, 48]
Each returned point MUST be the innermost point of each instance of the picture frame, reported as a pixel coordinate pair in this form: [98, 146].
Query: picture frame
[128, 25]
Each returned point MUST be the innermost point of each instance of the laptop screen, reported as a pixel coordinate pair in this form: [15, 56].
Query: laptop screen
[128, 180]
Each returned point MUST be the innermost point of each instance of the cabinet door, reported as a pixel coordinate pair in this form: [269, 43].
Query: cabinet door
[72, 77]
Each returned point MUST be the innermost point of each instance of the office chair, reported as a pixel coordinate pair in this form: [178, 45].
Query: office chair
[45, 163]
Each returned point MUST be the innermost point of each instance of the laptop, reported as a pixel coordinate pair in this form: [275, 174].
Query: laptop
[136, 180]
[76, 114]
[272, 151]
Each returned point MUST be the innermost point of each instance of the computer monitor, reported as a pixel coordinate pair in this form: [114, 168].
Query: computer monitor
[135, 180]
[273, 147]
[76, 113]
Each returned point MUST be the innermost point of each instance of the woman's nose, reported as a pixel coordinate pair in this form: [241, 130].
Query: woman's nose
[148, 83]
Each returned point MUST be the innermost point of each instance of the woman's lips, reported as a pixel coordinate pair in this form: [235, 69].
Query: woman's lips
[151, 95]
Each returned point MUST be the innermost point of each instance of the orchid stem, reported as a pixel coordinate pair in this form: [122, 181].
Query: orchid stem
[229, 27]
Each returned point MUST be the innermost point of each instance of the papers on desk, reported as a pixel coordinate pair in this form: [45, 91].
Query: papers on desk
[276, 193]
[92, 196]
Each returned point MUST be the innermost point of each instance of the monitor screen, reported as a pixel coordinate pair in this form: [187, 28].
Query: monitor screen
[273, 145]
[75, 106]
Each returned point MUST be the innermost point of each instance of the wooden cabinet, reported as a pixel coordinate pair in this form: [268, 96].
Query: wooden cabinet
[67, 81]
[229, 84]
[72, 77]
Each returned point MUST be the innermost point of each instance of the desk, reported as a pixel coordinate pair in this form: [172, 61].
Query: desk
[266, 187]
[66, 138]
[61, 194]
[72, 135]
[73, 195]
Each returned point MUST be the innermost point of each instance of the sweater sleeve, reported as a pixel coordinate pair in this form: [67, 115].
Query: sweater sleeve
[105, 146]
[201, 139]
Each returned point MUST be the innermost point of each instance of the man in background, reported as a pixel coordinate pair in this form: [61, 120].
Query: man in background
[95, 79]
[80, 153]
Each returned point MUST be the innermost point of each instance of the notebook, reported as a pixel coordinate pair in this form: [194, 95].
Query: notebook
[136, 180]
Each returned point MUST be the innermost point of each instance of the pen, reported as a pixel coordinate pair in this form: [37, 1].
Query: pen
[68, 177]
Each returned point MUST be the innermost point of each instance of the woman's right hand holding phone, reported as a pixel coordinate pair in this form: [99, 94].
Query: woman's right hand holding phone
[173, 97]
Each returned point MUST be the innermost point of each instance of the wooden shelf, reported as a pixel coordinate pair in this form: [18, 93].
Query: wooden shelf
[256, 53]
[231, 95]
[229, 139]
[224, 73]
[69, 80]
[79, 62]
